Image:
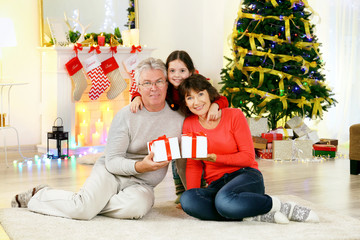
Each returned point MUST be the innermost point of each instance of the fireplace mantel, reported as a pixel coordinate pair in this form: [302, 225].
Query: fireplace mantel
[57, 87]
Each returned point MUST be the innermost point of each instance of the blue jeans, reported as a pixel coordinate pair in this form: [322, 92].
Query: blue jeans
[234, 196]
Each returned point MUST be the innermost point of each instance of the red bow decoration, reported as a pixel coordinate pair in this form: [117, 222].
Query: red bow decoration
[193, 135]
[167, 145]
[78, 46]
[113, 49]
[134, 49]
[97, 49]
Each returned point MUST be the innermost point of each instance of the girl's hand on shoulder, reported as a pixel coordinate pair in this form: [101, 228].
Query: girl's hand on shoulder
[214, 112]
[210, 158]
[136, 104]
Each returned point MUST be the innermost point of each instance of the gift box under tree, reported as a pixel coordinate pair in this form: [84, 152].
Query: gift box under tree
[324, 150]
[272, 136]
[313, 136]
[329, 141]
[258, 126]
[259, 142]
[287, 133]
[292, 149]
[298, 126]
[264, 153]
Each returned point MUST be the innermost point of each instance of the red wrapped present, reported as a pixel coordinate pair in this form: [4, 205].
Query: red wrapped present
[324, 147]
[164, 149]
[264, 153]
[272, 136]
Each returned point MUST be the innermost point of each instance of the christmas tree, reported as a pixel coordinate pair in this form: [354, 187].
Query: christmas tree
[276, 70]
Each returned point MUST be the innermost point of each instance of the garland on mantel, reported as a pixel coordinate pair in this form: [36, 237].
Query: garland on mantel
[93, 37]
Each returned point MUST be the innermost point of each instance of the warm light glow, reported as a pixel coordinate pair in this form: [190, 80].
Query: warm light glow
[7, 33]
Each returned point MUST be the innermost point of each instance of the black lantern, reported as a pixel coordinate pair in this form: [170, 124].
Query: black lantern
[59, 135]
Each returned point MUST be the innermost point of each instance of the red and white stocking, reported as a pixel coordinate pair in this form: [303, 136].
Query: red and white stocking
[130, 64]
[99, 80]
[77, 75]
[117, 83]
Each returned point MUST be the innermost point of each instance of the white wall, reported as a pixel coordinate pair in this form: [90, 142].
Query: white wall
[196, 26]
[167, 25]
[200, 27]
[22, 63]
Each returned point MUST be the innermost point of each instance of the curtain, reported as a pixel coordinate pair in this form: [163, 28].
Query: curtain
[338, 31]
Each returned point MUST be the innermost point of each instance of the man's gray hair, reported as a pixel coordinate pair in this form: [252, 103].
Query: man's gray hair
[149, 63]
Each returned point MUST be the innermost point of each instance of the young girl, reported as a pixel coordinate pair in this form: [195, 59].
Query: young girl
[180, 66]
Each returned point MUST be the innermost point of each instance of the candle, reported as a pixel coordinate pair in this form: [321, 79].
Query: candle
[99, 126]
[95, 139]
[134, 36]
[126, 38]
[107, 117]
[84, 115]
[84, 130]
[81, 140]
[101, 40]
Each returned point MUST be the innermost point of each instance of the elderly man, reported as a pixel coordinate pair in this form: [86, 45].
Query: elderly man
[122, 181]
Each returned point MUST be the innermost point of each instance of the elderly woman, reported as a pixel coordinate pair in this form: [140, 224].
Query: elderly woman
[236, 188]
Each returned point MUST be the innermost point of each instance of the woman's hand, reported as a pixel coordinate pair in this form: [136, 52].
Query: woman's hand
[214, 112]
[210, 157]
[136, 104]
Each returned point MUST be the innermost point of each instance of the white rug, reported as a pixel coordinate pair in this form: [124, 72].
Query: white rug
[167, 222]
[89, 159]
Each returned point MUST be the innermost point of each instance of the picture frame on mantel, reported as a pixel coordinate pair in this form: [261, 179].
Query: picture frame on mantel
[58, 32]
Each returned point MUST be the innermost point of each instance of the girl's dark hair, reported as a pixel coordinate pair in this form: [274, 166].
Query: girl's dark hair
[182, 56]
[196, 82]
[186, 59]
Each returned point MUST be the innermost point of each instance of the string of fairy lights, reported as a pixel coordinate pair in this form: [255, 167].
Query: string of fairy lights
[48, 161]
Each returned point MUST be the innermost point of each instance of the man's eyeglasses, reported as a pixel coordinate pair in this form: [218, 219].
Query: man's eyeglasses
[158, 83]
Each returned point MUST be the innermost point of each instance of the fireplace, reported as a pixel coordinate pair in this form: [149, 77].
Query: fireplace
[87, 121]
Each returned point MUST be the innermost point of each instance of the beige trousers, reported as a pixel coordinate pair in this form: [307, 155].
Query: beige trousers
[103, 193]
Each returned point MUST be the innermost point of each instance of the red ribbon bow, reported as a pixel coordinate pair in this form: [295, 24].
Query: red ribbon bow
[97, 49]
[167, 145]
[113, 49]
[78, 46]
[193, 135]
[134, 49]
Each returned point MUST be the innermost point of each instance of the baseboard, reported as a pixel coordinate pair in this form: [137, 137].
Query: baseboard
[23, 148]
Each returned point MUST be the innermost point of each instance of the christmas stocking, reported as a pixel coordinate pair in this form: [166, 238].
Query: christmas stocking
[99, 80]
[75, 70]
[130, 64]
[117, 83]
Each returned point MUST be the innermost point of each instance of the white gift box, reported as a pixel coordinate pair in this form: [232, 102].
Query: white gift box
[313, 136]
[298, 126]
[258, 126]
[164, 149]
[199, 145]
[286, 132]
[292, 149]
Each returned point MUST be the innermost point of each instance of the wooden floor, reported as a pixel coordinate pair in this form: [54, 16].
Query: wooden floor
[326, 182]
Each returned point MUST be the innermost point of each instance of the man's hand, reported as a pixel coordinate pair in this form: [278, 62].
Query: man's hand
[136, 104]
[148, 165]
